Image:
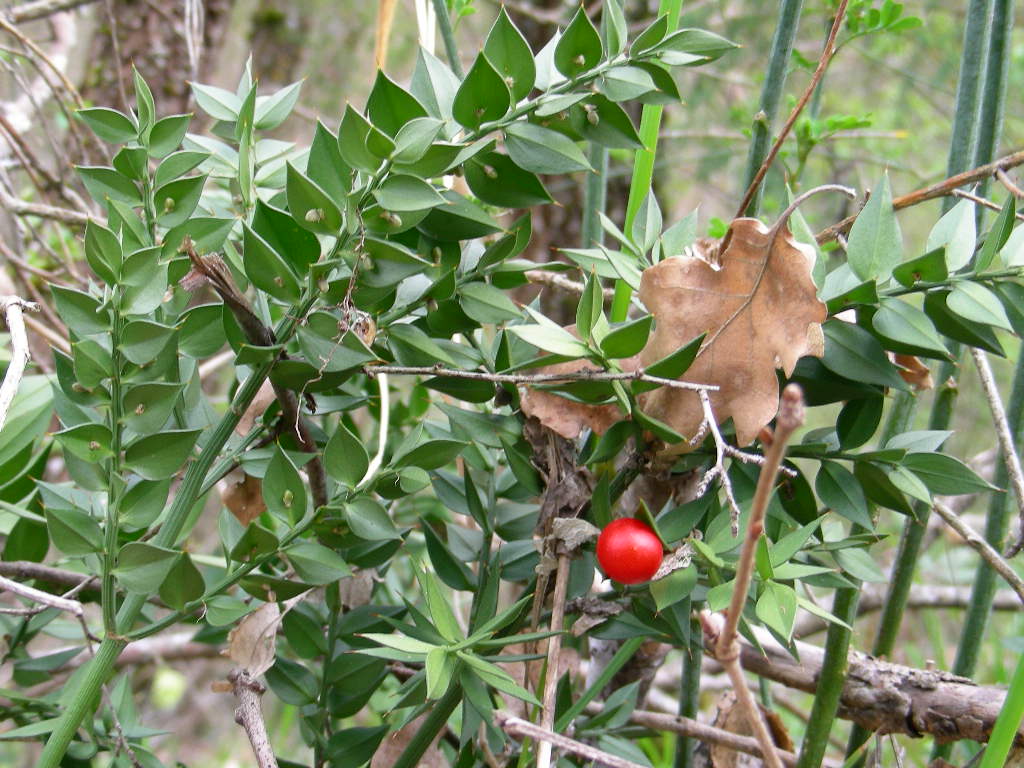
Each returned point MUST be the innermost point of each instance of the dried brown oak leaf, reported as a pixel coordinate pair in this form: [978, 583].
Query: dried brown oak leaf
[758, 305]
[251, 641]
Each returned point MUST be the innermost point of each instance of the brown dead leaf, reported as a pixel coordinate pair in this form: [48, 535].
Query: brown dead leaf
[914, 372]
[731, 717]
[264, 397]
[251, 642]
[759, 307]
[242, 494]
[569, 417]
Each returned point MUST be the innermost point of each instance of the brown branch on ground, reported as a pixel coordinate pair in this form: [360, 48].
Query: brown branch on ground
[940, 189]
[819, 72]
[884, 697]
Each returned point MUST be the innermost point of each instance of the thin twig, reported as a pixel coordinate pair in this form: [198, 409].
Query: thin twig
[40, 9]
[539, 378]
[721, 636]
[940, 189]
[11, 307]
[43, 598]
[547, 716]
[24, 570]
[516, 726]
[1005, 439]
[555, 280]
[249, 715]
[38, 53]
[42, 211]
[819, 72]
[1007, 182]
[983, 201]
[983, 548]
[718, 469]
[684, 726]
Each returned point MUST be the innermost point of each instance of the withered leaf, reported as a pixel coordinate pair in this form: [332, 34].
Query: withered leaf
[251, 642]
[243, 496]
[914, 372]
[758, 305]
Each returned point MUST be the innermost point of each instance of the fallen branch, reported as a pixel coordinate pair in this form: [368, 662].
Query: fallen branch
[249, 715]
[884, 697]
[976, 541]
[941, 189]
[11, 307]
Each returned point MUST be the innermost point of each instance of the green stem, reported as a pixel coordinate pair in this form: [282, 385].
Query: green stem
[830, 681]
[115, 483]
[993, 95]
[595, 198]
[643, 167]
[689, 695]
[963, 142]
[451, 49]
[432, 726]
[333, 595]
[100, 666]
[1005, 730]
[771, 94]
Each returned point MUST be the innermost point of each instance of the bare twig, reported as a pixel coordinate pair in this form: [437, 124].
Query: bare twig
[25, 570]
[547, 716]
[1007, 182]
[516, 726]
[43, 598]
[12, 30]
[940, 189]
[1005, 438]
[40, 9]
[982, 547]
[42, 211]
[555, 280]
[11, 307]
[539, 378]
[718, 470]
[684, 726]
[983, 201]
[249, 715]
[721, 637]
[819, 72]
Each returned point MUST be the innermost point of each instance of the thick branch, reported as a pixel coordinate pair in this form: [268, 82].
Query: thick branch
[887, 698]
[941, 189]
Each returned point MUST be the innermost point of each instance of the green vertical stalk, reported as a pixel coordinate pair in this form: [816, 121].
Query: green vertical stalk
[101, 665]
[990, 112]
[965, 119]
[432, 726]
[444, 23]
[115, 482]
[643, 167]
[771, 94]
[830, 681]
[689, 695]
[1005, 730]
[595, 197]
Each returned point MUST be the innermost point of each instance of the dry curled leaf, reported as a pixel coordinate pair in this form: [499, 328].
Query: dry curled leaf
[251, 642]
[758, 305]
[264, 397]
[914, 372]
[242, 494]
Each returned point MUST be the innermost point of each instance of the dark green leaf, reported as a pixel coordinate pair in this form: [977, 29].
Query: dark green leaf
[183, 584]
[89, 442]
[142, 567]
[167, 135]
[369, 520]
[267, 269]
[352, 141]
[109, 124]
[931, 267]
[497, 180]
[160, 456]
[671, 366]
[142, 340]
[177, 165]
[840, 491]
[976, 303]
[310, 206]
[401, 193]
[80, 311]
[389, 106]
[106, 184]
[316, 564]
[907, 329]
[854, 353]
[283, 490]
[875, 245]
[148, 406]
[998, 235]
[345, 457]
[74, 532]
[483, 96]
[103, 252]
[542, 150]
[945, 474]
[510, 54]
[579, 48]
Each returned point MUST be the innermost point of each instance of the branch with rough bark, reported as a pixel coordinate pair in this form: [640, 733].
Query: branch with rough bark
[249, 715]
[884, 697]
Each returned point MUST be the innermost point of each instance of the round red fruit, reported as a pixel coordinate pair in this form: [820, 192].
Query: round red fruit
[629, 551]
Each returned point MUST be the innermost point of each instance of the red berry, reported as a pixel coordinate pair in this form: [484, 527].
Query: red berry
[629, 551]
